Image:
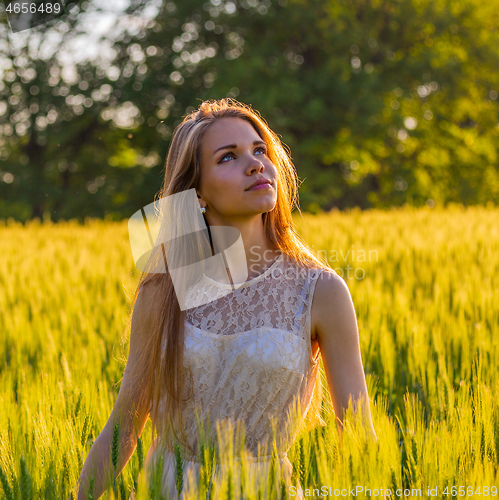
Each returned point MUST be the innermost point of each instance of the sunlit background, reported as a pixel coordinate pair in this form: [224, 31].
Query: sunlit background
[390, 110]
[382, 103]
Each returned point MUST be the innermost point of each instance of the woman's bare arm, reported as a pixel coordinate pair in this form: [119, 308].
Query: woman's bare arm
[127, 412]
[338, 337]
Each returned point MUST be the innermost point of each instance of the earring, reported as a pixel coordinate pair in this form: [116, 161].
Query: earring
[202, 210]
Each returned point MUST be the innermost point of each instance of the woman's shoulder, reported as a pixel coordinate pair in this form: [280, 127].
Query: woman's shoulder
[331, 295]
[328, 280]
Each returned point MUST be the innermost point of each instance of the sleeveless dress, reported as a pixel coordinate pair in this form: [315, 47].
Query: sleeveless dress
[251, 359]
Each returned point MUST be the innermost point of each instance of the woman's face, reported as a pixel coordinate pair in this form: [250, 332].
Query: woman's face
[227, 173]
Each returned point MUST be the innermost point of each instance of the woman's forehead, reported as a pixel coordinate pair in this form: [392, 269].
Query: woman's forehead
[227, 132]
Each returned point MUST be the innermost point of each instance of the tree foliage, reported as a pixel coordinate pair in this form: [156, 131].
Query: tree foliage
[382, 102]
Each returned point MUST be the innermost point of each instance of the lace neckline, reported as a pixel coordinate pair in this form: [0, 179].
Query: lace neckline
[249, 282]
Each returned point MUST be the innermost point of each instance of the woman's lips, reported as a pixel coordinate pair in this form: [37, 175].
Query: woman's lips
[266, 185]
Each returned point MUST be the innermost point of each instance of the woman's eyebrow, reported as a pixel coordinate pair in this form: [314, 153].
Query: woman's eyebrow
[234, 146]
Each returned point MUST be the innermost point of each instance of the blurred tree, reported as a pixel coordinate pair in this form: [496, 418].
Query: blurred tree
[57, 146]
[382, 102]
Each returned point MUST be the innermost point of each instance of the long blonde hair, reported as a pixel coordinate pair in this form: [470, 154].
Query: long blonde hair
[164, 367]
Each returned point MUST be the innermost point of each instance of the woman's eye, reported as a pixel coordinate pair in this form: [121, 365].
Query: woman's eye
[232, 154]
[224, 156]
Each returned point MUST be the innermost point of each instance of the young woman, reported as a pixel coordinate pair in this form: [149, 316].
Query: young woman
[230, 350]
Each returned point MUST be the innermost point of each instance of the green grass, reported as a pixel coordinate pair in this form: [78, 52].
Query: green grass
[426, 294]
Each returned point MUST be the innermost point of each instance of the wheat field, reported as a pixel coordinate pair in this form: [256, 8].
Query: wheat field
[425, 285]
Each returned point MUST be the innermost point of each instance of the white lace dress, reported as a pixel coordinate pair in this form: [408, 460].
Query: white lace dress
[251, 360]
